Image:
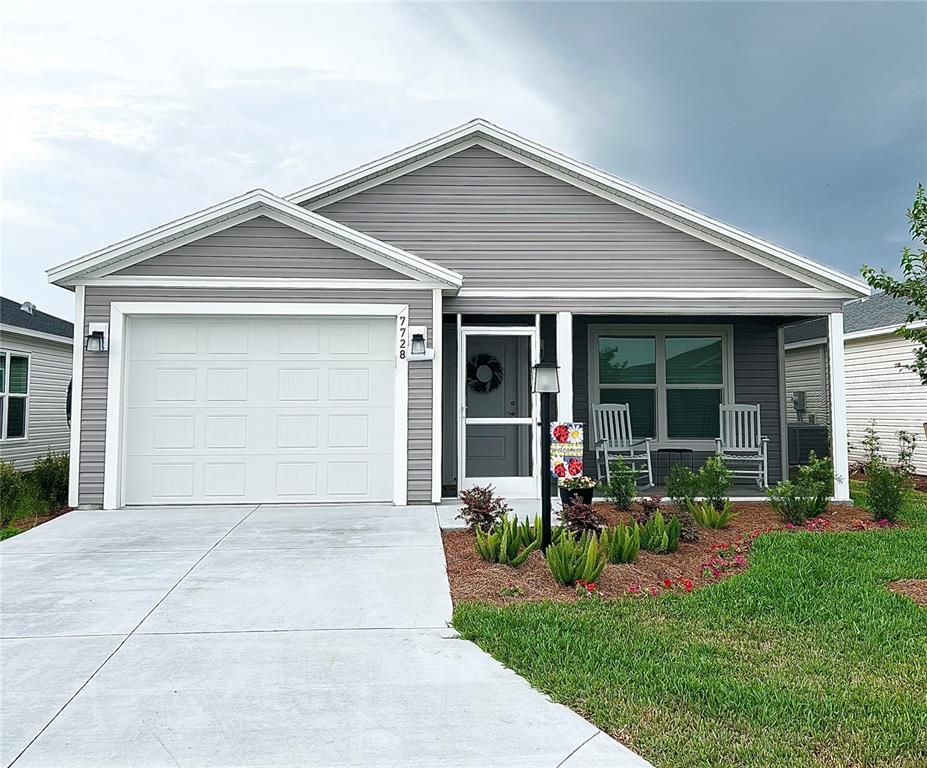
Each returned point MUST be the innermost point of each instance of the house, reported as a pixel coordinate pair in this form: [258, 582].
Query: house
[370, 338]
[879, 390]
[35, 371]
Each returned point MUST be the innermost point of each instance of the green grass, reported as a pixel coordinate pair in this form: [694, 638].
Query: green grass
[804, 659]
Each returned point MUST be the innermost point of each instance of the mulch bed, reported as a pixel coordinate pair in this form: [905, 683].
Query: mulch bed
[25, 523]
[916, 589]
[919, 481]
[472, 578]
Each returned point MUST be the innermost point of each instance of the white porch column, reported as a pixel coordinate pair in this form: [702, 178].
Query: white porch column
[838, 406]
[565, 361]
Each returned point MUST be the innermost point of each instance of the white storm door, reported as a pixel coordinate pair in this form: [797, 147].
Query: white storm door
[222, 409]
[498, 419]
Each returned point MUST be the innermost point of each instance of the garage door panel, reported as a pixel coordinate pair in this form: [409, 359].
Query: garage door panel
[259, 410]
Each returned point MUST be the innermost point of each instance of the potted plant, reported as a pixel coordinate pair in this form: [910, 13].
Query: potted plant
[580, 485]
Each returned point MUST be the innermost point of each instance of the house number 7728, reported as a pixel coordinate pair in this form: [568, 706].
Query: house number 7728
[403, 332]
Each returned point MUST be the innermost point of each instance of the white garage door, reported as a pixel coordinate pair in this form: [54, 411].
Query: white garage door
[258, 409]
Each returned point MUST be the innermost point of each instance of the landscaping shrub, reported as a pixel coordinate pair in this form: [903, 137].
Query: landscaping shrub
[579, 517]
[50, 478]
[886, 491]
[687, 527]
[575, 559]
[809, 495]
[659, 536]
[707, 516]
[11, 491]
[907, 443]
[621, 543]
[714, 478]
[482, 508]
[509, 542]
[682, 486]
[872, 446]
[621, 488]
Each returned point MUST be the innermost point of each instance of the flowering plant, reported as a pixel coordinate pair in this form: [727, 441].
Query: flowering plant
[587, 589]
[572, 483]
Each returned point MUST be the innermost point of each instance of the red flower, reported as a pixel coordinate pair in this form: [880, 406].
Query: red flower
[687, 583]
[591, 586]
[668, 583]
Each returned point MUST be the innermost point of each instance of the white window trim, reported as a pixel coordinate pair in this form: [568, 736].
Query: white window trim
[114, 466]
[661, 440]
[5, 395]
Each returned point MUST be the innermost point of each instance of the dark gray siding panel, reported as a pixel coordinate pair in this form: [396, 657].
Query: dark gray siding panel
[756, 374]
[93, 414]
[492, 218]
[262, 247]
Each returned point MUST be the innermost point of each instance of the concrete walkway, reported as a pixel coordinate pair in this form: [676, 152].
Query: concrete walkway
[257, 636]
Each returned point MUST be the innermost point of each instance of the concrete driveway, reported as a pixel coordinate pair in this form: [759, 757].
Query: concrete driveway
[257, 636]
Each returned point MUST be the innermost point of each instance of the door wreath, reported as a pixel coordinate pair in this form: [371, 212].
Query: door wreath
[484, 373]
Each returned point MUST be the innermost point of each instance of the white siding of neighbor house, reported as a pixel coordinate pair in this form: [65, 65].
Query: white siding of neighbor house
[49, 374]
[877, 389]
[806, 371]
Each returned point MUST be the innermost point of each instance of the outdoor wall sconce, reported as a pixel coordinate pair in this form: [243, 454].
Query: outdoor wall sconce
[418, 349]
[97, 340]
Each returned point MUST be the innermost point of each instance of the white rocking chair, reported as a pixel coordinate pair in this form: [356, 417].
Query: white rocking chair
[611, 432]
[741, 445]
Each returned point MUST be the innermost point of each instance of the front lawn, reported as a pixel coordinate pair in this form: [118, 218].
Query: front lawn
[804, 659]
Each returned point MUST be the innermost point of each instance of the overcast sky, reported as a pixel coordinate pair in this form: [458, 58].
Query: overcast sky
[803, 123]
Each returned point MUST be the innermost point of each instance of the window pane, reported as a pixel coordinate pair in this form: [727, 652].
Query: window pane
[641, 403]
[692, 413]
[627, 361]
[19, 374]
[498, 383]
[16, 417]
[693, 360]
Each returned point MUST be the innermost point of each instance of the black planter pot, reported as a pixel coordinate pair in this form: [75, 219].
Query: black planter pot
[567, 494]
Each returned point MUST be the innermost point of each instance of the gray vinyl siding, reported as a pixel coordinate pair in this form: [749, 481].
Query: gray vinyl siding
[756, 375]
[503, 224]
[262, 247]
[47, 424]
[93, 416]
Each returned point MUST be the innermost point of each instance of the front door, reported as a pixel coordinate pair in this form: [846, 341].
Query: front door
[498, 415]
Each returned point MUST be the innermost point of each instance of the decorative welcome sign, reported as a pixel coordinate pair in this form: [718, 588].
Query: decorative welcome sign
[566, 448]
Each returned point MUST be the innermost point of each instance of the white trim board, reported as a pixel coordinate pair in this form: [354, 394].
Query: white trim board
[586, 177]
[13, 329]
[77, 380]
[236, 211]
[114, 466]
[197, 281]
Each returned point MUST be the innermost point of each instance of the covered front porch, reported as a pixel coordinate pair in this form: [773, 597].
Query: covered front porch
[673, 372]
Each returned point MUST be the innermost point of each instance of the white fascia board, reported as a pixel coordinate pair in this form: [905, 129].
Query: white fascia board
[13, 329]
[657, 293]
[885, 330]
[243, 208]
[807, 343]
[576, 171]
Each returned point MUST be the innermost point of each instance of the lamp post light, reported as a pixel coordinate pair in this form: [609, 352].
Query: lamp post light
[545, 381]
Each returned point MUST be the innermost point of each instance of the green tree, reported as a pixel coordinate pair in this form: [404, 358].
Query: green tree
[912, 285]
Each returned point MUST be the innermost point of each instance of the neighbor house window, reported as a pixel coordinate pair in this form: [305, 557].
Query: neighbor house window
[14, 395]
[673, 379]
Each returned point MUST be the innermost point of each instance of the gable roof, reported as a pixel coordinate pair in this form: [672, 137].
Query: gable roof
[579, 174]
[13, 316]
[258, 202]
[878, 314]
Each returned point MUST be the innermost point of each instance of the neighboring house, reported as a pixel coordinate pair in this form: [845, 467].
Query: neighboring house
[370, 338]
[878, 388]
[35, 370]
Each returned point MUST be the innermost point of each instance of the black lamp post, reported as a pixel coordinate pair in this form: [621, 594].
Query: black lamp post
[545, 381]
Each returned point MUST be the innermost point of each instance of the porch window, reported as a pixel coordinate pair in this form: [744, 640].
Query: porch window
[14, 395]
[672, 378]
